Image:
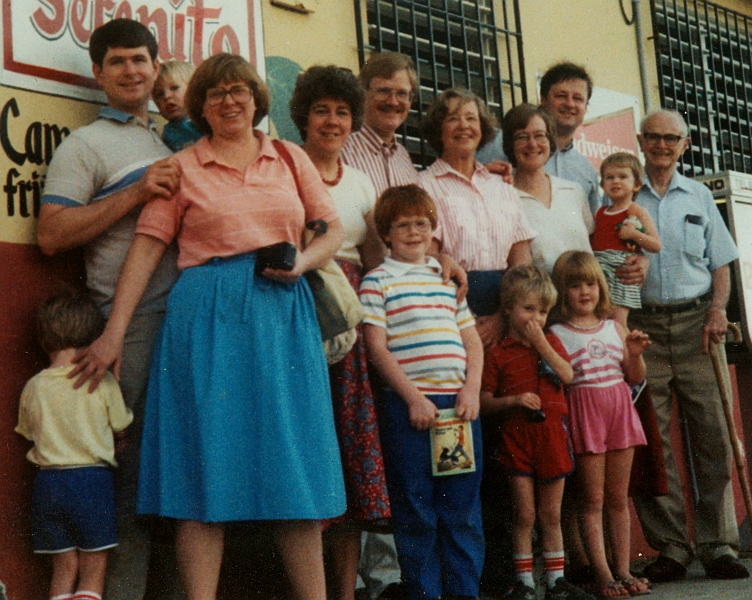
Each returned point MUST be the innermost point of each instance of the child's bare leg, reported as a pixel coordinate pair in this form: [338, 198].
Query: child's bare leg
[549, 514]
[523, 519]
[345, 554]
[620, 315]
[300, 546]
[64, 573]
[590, 469]
[199, 548]
[616, 509]
[91, 570]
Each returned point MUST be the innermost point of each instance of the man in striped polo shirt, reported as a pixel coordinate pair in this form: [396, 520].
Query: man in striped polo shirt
[98, 180]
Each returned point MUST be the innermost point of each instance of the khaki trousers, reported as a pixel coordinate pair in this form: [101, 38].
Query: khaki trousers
[675, 360]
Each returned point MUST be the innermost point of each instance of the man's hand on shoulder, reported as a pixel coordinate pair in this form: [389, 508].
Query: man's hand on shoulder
[504, 169]
[161, 179]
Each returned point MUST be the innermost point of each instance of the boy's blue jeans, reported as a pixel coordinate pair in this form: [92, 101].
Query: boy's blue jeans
[436, 520]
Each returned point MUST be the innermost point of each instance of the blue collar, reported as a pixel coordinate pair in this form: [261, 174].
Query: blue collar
[115, 114]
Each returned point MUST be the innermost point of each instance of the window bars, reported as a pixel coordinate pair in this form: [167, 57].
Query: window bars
[454, 43]
[704, 59]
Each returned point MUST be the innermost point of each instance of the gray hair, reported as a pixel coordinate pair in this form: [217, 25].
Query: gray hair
[674, 114]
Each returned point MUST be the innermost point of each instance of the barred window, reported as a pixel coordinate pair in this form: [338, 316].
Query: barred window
[475, 44]
[704, 59]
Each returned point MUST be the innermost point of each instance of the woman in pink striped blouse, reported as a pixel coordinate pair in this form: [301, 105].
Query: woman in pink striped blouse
[482, 224]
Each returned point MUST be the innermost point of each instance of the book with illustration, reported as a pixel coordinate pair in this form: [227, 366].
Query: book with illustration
[451, 445]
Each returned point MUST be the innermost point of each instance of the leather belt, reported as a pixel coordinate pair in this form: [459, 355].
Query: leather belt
[670, 309]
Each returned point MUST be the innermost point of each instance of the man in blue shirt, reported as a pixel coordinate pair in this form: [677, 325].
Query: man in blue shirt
[565, 91]
[684, 308]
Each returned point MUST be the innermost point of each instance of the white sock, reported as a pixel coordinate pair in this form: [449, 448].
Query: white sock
[523, 566]
[62, 597]
[554, 562]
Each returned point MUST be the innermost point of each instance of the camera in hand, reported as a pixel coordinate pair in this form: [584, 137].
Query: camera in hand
[535, 415]
[277, 256]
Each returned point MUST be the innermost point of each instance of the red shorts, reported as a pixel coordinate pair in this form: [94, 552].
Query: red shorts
[539, 450]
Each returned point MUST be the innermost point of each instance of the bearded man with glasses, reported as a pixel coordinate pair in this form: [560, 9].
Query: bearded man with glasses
[683, 310]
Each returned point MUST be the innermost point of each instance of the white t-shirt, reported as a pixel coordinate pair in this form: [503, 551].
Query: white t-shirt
[354, 197]
[567, 225]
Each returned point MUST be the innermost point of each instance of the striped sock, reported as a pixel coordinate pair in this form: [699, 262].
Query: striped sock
[84, 595]
[554, 562]
[62, 597]
[523, 566]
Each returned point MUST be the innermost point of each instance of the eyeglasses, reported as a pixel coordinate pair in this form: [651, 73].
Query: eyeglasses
[384, 93]
[239, 93]
[669, 139]
[420, 225]
[522, 138]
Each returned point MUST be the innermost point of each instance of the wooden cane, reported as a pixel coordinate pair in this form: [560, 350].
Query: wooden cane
[736, 445]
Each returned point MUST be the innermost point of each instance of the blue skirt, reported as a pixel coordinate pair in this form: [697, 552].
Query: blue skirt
[238, 422]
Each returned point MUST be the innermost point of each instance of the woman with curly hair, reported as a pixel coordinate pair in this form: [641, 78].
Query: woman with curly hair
[326, 106]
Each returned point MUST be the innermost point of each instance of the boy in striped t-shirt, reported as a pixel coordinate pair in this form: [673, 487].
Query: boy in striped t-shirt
[424, 345]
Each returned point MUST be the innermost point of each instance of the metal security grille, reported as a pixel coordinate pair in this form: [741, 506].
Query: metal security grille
[704, 56]
[454, 43]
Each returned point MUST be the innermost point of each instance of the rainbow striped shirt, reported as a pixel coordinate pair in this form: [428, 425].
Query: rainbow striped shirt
[423, 321]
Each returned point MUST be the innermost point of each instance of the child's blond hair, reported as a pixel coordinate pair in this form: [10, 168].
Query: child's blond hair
[521, 281]
[624, 160]
[574, 267]
[179, 70]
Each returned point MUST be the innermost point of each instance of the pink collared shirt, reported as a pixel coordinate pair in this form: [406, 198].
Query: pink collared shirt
[480, 219]
[220, 211]
[387, 165]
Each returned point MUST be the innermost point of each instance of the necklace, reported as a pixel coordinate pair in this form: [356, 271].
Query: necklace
[579, 328]
[338, 178]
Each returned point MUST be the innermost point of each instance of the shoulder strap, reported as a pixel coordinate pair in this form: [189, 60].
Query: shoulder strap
[285, 155]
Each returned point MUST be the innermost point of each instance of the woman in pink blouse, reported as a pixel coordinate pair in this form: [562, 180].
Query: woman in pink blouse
[481, 221]
[238, 421]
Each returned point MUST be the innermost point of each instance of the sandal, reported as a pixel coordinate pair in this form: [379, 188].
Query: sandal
[635, 586]
[613, 589]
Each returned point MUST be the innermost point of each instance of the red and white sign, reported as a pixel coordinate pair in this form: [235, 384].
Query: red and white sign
[45, 42]
[605, 135]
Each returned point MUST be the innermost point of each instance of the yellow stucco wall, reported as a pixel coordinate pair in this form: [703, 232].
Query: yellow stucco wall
[587, 32]
[326, 36]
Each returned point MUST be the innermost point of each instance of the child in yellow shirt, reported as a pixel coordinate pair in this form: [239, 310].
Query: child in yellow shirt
[73, 505]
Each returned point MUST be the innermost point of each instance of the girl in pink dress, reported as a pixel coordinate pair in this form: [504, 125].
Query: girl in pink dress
[604, 425]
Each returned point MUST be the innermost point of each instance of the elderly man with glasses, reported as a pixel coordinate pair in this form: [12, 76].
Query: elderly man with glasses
[684, 309]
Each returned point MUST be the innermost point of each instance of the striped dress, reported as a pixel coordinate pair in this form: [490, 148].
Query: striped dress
[423, 322]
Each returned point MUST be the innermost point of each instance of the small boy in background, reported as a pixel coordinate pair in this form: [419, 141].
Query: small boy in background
[168, 94]
[424, 345]
[524, 377]
[73, 504]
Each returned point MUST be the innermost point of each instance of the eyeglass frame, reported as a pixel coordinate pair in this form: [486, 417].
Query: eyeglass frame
[384, 93]
[670, 139]
[220, 98]
[421, 225]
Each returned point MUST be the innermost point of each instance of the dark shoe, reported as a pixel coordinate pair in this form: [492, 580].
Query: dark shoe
[664, 569]
[563, 590]
[579, 575]
[726, 567]
[520, 591]
[394, 591]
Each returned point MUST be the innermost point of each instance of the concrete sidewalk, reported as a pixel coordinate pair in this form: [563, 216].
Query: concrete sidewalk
[698, 587]
[695, 586]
